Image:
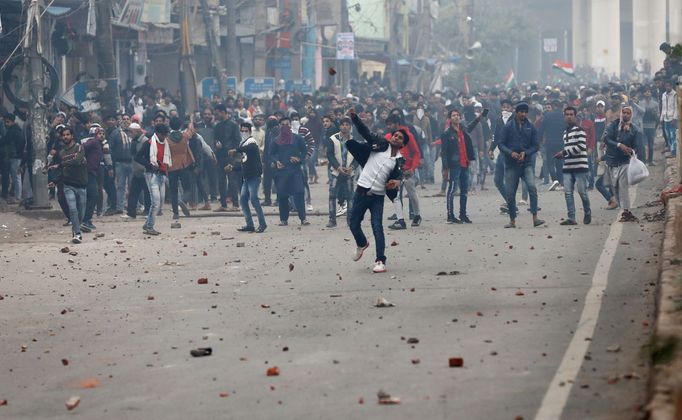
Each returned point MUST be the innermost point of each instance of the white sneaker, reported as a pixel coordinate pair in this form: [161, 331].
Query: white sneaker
[379, 267]
[309, 207]
[359, 251]
[342, 210]
[125, 216]
[553, 186]
[559, 188]
[76, 239]
[523, 203]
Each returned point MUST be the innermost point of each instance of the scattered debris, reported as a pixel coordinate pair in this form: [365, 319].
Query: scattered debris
[385, 398]
[613, 349]
[394, 243]
[65, 362]
[202, 280]
[3, 402]
[89, 383]
[150, 297]
[273, 371]
[73, 402]
[65, 250]
[412, 340]
[455, 362]
[241, 244]
[448, 273]
[291, 267]
[224, 394]
[384, 303]
[171, 263]
[264, 306]
[201, 352]
[415, 361]
[520, 293]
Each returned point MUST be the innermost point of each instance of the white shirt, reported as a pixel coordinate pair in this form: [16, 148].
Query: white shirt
[669, 106]
[376, 171]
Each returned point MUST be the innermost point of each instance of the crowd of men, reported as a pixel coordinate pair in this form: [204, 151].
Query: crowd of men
[569, 137]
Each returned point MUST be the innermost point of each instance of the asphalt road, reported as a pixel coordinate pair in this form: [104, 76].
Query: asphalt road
[125, 312]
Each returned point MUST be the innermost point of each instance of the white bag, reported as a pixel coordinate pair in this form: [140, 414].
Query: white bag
[637, 170]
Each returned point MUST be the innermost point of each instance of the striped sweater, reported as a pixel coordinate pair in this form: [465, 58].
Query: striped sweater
[575, 150]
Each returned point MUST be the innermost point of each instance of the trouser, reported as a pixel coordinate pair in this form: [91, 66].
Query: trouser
[93, 197]
[248, 194]
[311, 164]
[670, 128]
[617, 178]
[306, 185]
[375, 204]
[267, 184]
[109, 185]
[482, 170]
[457, 175]
[156, 183]
[182, 175]
[650, 135]
[604, 190]
[234, 187]
[138, 185]
[428, 166]
[198, 190]
[577, 180]
[15, 174]
[499, 176]
[555, 166]
[592, 174]
[124, 171]
[4, 174]
[513, 173]
[222, 182]
[409, 184]
[209, 173]
[76, 201]
[61, 199]
[283, 203]
[339, 190]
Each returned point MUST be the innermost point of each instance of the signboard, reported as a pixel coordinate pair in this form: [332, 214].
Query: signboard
[345, 46]
[303, 86]
[259, 87]
[156, 11]
[549, 45]
[89, 95]
[208, 86]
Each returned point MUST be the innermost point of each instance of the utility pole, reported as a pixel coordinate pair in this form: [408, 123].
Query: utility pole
[105, 54]
[393, 45]
[231, 48]
[187, 75]
[216, 63]
[346, 64]
[260, 26]
[38, 112]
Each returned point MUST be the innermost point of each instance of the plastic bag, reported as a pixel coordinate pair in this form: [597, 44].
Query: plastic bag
[637, 170]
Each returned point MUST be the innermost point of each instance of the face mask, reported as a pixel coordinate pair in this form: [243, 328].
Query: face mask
[420, 113]
[245, 136]
[506, 115]
[295, 125]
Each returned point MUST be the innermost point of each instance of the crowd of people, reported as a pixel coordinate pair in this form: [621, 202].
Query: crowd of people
[567, 137]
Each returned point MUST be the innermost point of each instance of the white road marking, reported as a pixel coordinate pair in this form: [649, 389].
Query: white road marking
[555, 399]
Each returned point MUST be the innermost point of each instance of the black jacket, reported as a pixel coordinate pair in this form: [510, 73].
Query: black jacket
[250, 164]
[450, 147]
[375, 143]
[227, 133]
[15, 142]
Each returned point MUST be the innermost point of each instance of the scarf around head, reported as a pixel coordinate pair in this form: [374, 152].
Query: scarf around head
[285, 136]
[622, 124]
[153, 151]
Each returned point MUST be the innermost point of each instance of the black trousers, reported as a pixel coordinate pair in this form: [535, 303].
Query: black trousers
[138, 185]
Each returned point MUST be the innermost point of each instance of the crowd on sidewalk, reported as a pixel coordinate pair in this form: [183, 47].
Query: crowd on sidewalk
[567, 137]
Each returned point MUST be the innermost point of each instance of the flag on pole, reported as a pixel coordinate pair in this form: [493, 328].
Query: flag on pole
[466, 83]
[510, 80]
[566, 68]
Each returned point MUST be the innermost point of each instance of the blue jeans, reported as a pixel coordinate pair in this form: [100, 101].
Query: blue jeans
[604, 190]
[670, 128]
[14, 165]
[123, 172]
[75, 199]
[375, 204]
[499, 176]
[460, 176]
[650, 135]
[513, 173]
[339, 189]
[592, 174]
[577, 180]
[250, 193]
[92, 192]
[156, 183]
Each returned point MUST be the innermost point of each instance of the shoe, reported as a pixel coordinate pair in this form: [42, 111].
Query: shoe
[68, 223]
[77, 238]
[309, 207]
[560, 188]
[465, 219]
[118, 212]
[393, 217]
[510, 225]
[331, 224]
[220, 210]
[538, 222]
[359, 251]
[283, 223]
[110, 212]
[175, 224]
[184, 208]
[398, 225]
[266, 203]
[85, 228]
[379, 267]
[587, 219]
[261, 229]
[126, 216]
[246, 229]
[523, 203]
[206, 206]
[233, 209]
[305, 222]
[613, 204]
[342, 210]
[568, 222]
[553, 186]
[88, 225]
[151, 231]
[450, 220]
[416, 221]
[628, 217]
[651, 163]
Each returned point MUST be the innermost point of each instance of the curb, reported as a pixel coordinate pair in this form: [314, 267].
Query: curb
[665, 348]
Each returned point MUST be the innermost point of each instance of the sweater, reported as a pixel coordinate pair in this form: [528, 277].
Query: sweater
[250, 165]
[73, 166]
[575, 150]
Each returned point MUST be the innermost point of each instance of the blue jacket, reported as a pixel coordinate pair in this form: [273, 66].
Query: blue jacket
[552, 130]
[613, 135]
[519, 138]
